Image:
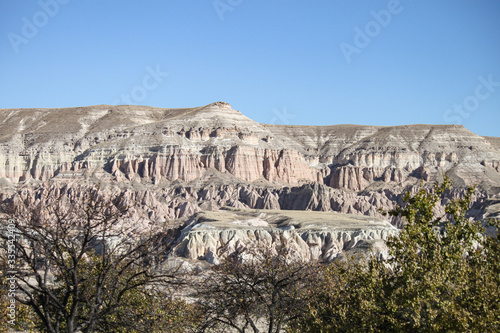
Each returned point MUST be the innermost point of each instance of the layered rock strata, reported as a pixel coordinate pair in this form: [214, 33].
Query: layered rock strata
[308, 235]
[145, 143]
[177, 162]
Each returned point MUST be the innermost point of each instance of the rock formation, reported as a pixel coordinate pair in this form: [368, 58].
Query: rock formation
[145, 143]
[173, 163]
[310, 235]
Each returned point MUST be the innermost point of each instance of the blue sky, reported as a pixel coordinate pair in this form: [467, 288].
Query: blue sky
[319, 62]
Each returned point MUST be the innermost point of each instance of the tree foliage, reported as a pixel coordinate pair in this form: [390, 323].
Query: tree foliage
[442, 276]
[149, 309]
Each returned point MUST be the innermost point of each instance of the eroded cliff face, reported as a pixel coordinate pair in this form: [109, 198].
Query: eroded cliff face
[217, 219]
[144, 143]
[309, 235]
[177, 162]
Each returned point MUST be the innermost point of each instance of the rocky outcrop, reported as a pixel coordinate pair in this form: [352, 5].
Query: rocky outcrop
[310, 236]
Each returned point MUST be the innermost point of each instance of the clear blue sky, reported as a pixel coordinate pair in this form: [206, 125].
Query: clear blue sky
[316, 62]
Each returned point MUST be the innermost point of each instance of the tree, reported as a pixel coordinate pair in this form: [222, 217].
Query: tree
[347, 297]
[80, 260]
[147, 309]
[254, 288]
[433, 260]
[442, 275]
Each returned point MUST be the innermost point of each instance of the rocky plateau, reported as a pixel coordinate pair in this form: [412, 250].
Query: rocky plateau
[320, 236]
